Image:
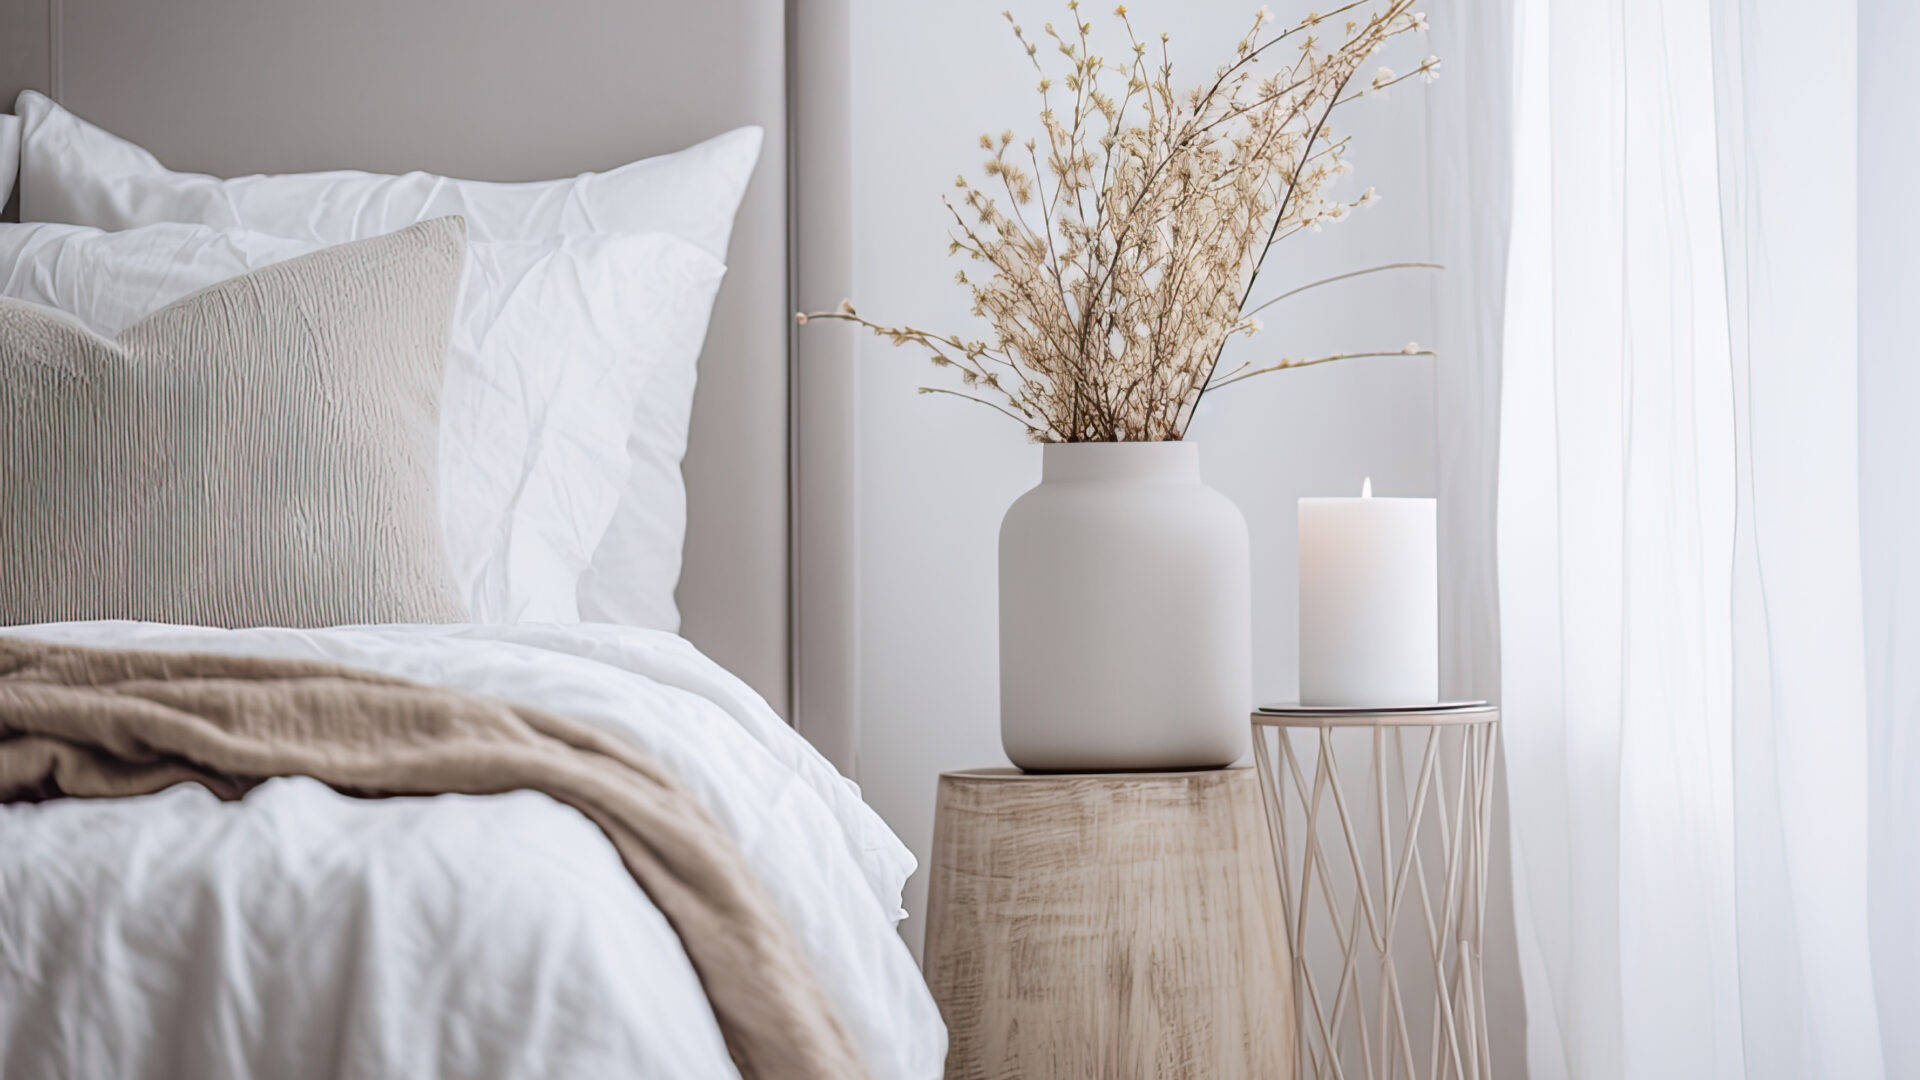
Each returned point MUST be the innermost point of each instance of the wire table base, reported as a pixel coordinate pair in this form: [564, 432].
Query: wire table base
[1384, 898]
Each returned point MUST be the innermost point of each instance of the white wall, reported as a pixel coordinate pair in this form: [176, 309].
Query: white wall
[937, 474]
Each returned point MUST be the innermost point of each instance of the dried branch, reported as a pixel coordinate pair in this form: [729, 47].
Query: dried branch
[1288, 365]
[1126, 241]
[1269, 302]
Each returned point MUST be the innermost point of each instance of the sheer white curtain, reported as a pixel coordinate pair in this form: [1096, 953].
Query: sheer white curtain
[1890, 510]
[1708, 545]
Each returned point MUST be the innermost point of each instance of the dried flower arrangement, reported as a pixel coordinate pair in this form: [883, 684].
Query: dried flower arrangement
[1124, 262]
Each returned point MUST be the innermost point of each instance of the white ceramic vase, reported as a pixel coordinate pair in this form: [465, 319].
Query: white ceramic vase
[1125, 614]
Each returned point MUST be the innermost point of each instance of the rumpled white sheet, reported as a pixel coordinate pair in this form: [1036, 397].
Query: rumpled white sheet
[300, 933]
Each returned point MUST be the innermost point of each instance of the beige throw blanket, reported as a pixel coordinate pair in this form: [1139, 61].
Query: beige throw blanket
[84, 722]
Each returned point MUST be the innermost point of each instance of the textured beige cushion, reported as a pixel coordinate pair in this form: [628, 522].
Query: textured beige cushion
[260, 453]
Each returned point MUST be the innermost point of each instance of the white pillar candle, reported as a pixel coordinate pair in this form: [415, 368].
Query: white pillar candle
[1369, 601]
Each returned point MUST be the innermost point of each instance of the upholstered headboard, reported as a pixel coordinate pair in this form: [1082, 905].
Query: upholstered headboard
[503, 90]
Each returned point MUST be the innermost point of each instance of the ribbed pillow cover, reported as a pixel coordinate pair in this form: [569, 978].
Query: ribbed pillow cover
[259, 453]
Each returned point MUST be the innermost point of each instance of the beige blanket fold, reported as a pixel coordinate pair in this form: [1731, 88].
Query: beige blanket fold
[93, 723]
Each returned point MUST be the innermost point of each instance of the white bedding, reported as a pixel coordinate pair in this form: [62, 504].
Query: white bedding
[300, 933]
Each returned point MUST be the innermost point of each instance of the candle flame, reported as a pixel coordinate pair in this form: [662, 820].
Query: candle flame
[1366, 488]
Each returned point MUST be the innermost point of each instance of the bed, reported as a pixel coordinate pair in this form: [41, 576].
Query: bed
[299, 931]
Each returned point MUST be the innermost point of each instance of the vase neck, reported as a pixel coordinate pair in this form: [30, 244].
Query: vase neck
[1165, 462]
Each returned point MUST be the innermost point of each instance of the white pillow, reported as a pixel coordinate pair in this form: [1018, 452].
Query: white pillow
[556, 348]
[74, 172]
[9, 154]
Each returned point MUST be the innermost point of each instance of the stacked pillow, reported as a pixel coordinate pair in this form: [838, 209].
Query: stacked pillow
[259, 453]
[9, 154]
[572, 358]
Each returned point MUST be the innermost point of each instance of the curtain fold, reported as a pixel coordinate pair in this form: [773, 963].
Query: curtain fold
[1799, 697]
[1701, 805]
[1470, 146]
[1889, 278]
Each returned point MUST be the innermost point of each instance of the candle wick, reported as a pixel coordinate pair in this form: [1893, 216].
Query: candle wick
[1366, 488]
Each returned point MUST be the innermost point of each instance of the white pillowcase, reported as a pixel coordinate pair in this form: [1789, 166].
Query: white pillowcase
[74, 172]
[9, 154]
[556, 348]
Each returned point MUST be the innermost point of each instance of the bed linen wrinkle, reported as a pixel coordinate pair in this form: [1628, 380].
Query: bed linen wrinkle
[436, 874]
[108, 723]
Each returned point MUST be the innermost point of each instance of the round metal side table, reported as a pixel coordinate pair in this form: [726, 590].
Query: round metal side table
[1380, 822]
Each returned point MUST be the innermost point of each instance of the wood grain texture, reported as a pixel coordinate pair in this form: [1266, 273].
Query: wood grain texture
[1107, 927]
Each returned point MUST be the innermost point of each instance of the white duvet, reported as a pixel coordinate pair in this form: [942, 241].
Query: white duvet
[300, 933]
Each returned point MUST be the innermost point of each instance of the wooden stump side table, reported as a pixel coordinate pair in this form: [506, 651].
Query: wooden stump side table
[1107, 926]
